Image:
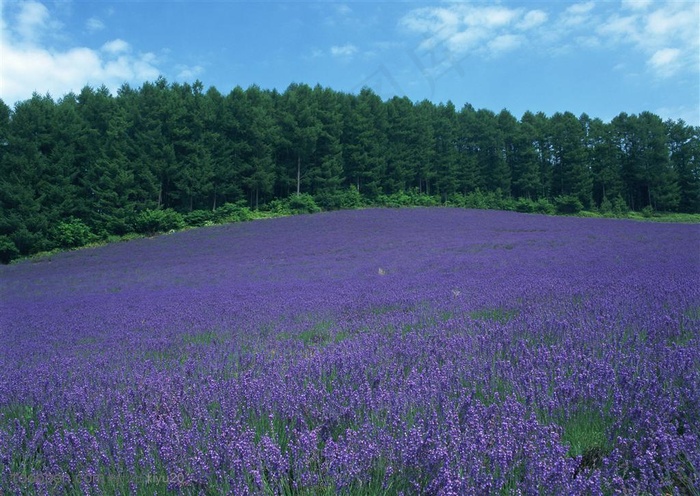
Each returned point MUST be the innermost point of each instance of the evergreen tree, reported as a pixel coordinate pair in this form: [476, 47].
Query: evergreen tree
[571, 175]
[684, 146]
[605, 168]
[524, 162]
[300, 128]
[446, 163]
[365, 143]
[258, 174]
[468, 167]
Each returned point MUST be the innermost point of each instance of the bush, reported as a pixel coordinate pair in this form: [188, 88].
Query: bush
[232, 212]
[73, 233]
[348, 199]
[199, 218]
[278, 207]
[28, 242]
[302, 203]
[8, 250]
[155, 221]
[351, 198]
[606, 206]
[411, 198]
[648, 212]
[506, 203]
[619, 206]
[543, 206]
[525, 205]
[568, 204]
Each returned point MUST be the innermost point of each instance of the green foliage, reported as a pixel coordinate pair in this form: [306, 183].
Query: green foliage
[619, 206]
[73, 233]
[478, 199]
[525, 205]
[351, 198]
[586, 433]
[8, 250]
[232, 212]
[302, 203]
[498, 314]
[340, 200]
[411, 198]
[541, 206]
[648, 212]
[155, 221]
[568, 204]
[198, 218]
[606, 206]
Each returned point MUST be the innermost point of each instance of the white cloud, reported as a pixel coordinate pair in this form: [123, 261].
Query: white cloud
[94, 24]
[187, 73]
[343, 9]
[31, 64]
[472, 28]
[116, 46]
[577, 14]
[532, 19]
[636, 4]
[346, 50]
[666, 61]
[31, 20]
[668, 34]
[505, 43]
[580, 8]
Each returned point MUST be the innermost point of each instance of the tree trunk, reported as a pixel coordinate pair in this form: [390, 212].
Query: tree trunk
[298, 175]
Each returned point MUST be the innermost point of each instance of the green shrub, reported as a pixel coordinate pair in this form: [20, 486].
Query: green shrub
[278, 207]
[490, 200]
[648, 212]
[410, 198]
[155, 221]
[568, 204]
[351, 198]
[506, 203]
[606, 206]
[232, 212]
[543, 206]
[73, 233]
[302, 203]
[199, 218]
[8, 250]
[619, 206]
[348, 199]
[28, 242]
[525, 205]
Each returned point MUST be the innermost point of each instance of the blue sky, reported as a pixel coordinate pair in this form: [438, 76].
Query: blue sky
[601, 58]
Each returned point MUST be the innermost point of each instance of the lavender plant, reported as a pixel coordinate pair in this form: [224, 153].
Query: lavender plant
[422, 351]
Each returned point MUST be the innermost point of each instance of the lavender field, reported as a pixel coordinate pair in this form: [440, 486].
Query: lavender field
[417, 351]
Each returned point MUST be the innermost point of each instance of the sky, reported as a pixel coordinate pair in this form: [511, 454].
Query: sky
[601, 58]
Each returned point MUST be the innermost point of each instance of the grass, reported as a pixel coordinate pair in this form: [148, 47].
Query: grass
[17, 412]
[684, 218]
[585, 433]
[203, 338]
[496, 314]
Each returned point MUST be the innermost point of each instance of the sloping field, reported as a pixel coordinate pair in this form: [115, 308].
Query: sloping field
[423, 351]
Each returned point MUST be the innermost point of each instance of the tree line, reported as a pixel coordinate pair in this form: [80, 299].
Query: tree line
[94, 164]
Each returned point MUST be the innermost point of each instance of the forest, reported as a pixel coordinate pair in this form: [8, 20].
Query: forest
[93, 165]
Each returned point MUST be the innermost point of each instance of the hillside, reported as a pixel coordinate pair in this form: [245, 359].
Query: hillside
[373, 351]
